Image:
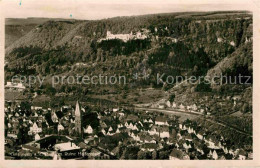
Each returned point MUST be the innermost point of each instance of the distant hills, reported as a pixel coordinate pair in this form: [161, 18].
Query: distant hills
[30, 20]
[18, 27]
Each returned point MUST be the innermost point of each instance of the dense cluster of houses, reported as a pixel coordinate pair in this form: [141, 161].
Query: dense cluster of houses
[51, 133]
[166, 104]
[204, 105]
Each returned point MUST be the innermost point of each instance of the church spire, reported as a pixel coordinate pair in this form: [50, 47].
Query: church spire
[78, 119]
[77, 110]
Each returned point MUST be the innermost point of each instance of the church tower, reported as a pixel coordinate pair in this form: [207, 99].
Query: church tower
[78, 119]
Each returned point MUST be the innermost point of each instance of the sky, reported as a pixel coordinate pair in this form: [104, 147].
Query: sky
[99, 9]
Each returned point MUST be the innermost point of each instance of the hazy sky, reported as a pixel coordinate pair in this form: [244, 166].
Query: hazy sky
[98, 9]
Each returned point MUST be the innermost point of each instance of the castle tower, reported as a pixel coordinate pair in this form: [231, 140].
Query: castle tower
[78, 119]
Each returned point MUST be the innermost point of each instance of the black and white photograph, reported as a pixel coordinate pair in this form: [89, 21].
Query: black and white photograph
[127, 81]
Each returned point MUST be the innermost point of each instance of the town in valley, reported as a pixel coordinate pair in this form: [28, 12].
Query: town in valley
[140, 120]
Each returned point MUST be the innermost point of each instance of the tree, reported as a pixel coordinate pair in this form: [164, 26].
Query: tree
[195, 70]
[50, 90]
[245, 108]
[203, 87]
[154, 155]
[172, 97]
[130, 152]
[22, 135]
[163, 155]
[141, 155]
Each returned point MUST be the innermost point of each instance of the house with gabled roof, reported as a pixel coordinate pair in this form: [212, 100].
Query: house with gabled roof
[136, 137]
[88, 129]
[120, 125]
[212, 142]
[13, 132]
[168, 103]
[60, 127]
[164, 132]
[104, 131]
[9, 125]
[34, 129]
[118, 131]
[148, 139]
[190, 130]
[134, 127]
[121, 114]
[174, 105]
[250, 156]
[188, 137]
[131, 125]
[110, 133]
[215, 155]
[150, 121]
[149, 147]
[103, 124]
[110, 129]
[140, 123]
[210, 153]
[241, 154]
[179, 136]
[194, 107]
[126, 124]
[180, 126]
[160, 120]
[154, 130]
[199, 146]
[184, 127]
[17, 114]
[177, 145]
[37, 137]
[187, 145]
[161, 105]
[54, 117]
[200, 135]
[182, 107]
[225, 149]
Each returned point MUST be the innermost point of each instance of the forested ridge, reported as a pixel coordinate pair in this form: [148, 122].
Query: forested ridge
[68, 42]
[178, 44]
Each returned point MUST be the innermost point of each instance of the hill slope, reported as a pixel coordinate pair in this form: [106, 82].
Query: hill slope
[177, 44]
